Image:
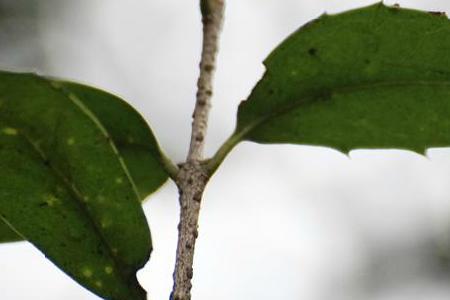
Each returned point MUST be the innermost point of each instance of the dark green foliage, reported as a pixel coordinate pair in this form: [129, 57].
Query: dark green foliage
[129, 132]
[376, 77]
[7, 234]
[64, 186]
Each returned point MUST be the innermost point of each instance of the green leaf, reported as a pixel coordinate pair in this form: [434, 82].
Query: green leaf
[375, 77]
[65, 188]
[129, 132]
[7, 234]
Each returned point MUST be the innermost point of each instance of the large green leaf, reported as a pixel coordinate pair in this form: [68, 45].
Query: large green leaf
[376, 77]
[65, 188]
[129, 132]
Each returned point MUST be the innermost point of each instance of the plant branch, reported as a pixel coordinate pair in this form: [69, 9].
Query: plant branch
[212, 16]
[193, 176]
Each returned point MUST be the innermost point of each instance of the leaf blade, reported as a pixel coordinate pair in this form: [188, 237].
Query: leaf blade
[55, 147]
[64, 219]
[320, 83]
[130, 133]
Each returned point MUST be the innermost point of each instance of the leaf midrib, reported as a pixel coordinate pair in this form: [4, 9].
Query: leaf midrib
[72, 97]
[71, 186]
[79, 200]
[85, 110]
[240, 134]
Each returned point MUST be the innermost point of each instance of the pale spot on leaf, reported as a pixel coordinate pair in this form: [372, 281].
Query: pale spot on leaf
[70, 141]
[87, 272]
[106, 222]
[101, 199]
[119, 180]
[9, 131]
[108, 270]
[51, 200]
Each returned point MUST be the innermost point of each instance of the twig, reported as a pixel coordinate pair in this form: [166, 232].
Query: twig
[193, 176]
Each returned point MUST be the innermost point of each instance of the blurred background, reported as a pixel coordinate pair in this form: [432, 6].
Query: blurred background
[278, 221]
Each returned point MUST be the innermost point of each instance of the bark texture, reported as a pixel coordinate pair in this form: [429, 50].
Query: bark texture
[212, 18]
[192, 182]
[193, 176]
